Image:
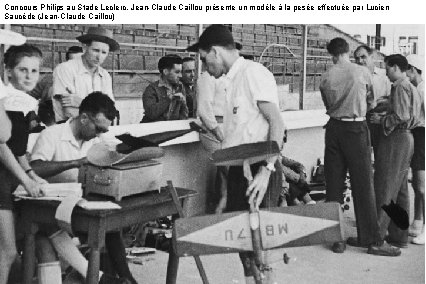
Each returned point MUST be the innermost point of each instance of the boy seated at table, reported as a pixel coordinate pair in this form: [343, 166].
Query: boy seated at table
[57, 155]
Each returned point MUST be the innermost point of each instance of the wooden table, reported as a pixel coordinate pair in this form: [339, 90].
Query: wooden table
[136, 209]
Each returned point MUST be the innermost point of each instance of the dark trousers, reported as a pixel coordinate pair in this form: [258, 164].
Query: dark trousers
[347, 147]
[390, 179]
[238, 201]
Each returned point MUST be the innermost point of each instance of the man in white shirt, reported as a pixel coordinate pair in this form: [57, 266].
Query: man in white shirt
[58, 153]
[73, 80]
[251, 114]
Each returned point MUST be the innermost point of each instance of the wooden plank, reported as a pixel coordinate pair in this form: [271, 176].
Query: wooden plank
[253, 152]
[280, 227]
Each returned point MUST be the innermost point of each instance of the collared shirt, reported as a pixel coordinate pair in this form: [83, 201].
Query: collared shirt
[346, 90]
[247, 83]
[57, 143]
[421, 90]
[159, 103]
[404, 104]
[210, 99]
[73, 77]
[381, 86]
[189, 91]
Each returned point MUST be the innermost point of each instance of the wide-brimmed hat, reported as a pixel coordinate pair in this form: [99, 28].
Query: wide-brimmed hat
[100, 34]
[11, 38]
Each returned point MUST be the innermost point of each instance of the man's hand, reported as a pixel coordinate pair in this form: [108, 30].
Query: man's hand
[179, 96]
[376, 118]
[217, 132]
[70, 100]
[258, 187]
[80, 162]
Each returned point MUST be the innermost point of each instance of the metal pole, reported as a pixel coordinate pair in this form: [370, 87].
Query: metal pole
[378, 42]
[302, 86]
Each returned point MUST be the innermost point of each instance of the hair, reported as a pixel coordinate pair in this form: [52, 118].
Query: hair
[168, 61]
[337, 46]
[14, 54]
[98, 102]
[188, 59]
[366, 47]
[73, 49]
[398, 60]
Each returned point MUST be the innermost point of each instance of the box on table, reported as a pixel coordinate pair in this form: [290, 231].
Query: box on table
[121, 180]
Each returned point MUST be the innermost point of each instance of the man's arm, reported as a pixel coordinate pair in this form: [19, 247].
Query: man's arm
[47, 169]
[259, 185]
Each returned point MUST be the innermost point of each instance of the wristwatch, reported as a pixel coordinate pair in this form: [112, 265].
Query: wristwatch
[269, 166]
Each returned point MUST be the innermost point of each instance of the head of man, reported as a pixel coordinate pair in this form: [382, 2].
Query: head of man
[96, 113]
[170, 67]
[73, 52]
[396, 66]
[216, 47]
[364, 56]
[415, 69]
[98, 43]
[23, 66]
[188, 71]
[337, 47]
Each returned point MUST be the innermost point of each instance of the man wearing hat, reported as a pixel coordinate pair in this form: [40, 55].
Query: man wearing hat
[251, 114]
[75, 79]
[415, 71]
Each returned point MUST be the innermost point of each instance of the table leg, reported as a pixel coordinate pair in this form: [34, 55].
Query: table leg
[96, 240]
[172, 266]
[29, 259]
[93, 270]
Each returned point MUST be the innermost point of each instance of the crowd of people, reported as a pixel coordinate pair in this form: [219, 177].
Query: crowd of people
[236, 100]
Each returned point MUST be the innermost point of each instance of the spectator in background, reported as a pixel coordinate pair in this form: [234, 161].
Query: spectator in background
[415, 71]
[364, 56]
[73, 80]
[188, 84]
[163, 99]
[346, 90]
[73, 52]
[395, 148]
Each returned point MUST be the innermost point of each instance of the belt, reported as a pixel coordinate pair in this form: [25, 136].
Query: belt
[350, 119]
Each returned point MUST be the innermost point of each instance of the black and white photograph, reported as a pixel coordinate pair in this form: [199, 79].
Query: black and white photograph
[210, 153]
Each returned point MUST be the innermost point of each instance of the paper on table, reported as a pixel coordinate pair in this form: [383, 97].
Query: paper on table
[97, 205]
[53, 190]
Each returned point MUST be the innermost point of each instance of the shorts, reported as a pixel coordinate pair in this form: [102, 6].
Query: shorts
[418, 160]
[8, 184]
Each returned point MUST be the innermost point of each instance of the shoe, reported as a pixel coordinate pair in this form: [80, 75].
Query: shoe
[415, 228]
[420, 239]
[353, 242]
[108, 279]
[397, 244]
[384, 249]
[338, 247]
[312, 202]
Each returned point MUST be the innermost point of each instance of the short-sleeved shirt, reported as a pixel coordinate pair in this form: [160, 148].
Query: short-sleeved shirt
[247, 84]
[404, 104]
[381, 86]
[57, 143]
[346, 90]
[72, 77]
[210, 99]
